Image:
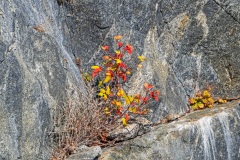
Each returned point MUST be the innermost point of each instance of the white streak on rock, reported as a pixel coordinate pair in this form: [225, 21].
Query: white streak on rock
[223, 118]
[208, 138]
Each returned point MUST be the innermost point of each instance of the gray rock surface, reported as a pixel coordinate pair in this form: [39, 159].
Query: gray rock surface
[86, 153]
[35, 72]
[211, 134]
[189, 44]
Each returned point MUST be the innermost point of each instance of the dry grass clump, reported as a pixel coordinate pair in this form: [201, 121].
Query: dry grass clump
[80, 123]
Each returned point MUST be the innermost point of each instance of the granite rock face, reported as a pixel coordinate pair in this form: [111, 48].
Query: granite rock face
[208, 134]
[189, 44]
[35, 72]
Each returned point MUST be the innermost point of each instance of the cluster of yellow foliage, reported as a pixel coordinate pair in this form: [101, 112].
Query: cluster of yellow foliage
[204, 99]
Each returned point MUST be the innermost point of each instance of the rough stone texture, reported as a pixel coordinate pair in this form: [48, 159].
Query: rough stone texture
[86, 153]
[34, 76]
[190, 44]
[207, 134]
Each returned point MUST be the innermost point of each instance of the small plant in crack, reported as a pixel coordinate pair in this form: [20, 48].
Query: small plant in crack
[107, 105]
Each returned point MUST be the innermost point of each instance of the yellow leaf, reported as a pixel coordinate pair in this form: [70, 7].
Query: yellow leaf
[200, 105]
[86, 77]
[100, 83]
[210, 106]
[118, 104]
[102, 90]
[211, 100]
[206, 94]
[141, 58]
[107, 90]
[107, 111]
[108, 73]
[133, 110]
[118, 61]
[95, 67]
[129, 99]
[121, 93]
[107, 79]
[192, 101]
[195, 106]
[100, 94]
[124, 121]
[118, 37]
[220, 100]
[205, 101]
[117, 52]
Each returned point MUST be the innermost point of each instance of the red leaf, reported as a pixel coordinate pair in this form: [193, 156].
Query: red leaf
[127, 117]
[145, 100]
[119, 44]
[119, 110]
[150, 86]
[96, 71]
[105, 48]
[123, 76]
[129, 48]
[118, 56]
[155, 95]
[122, 65]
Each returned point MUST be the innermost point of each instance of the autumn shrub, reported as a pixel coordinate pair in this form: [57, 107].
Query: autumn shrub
[204, 99]
[112, 76]
[107, 104]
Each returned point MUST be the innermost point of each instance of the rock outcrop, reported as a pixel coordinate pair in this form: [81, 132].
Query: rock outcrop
[210, 134]
[189, 44]
[35, 72]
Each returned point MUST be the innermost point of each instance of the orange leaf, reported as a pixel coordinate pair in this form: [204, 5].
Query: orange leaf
[118, 37]
[120, 93]
[144, 111]
[128, 72]
[105, 58]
